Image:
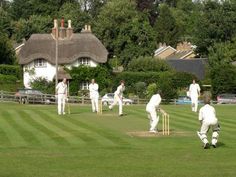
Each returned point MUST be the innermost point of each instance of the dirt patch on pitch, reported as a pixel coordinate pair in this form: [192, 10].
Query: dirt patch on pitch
[146, 134]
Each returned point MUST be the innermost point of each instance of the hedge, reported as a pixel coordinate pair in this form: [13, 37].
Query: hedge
[11, 70]
[9, 83]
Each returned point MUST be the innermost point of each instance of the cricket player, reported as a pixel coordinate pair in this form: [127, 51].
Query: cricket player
[194, 93]
[118, 96]
[207, 118]
[61, 91]
[94, 95]
[151, 108]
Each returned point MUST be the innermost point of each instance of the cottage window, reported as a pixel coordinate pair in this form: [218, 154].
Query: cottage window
[84, 61]
[84, 86]
[40, 63]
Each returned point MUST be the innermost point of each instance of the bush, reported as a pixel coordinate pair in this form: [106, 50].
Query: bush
[151, 90]
[11, 70]
[42, 84]
[85, 74]
[140, 89]
[9, 83]
[147, 64]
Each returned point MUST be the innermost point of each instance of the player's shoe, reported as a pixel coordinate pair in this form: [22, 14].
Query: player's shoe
[214, 145]
[206, 146]
[152, 131]
[120, 115]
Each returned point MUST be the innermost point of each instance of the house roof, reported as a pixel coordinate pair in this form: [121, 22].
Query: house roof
[194, 66]
[83, 44]
[63, 74]
[180, 54]
[162, 49]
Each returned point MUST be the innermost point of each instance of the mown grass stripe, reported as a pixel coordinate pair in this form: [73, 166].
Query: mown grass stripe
[102, 132]
[42, 138]
[27, 135]
[13, 135]
[68, 137]
[42, 128]
[62, 124]
[85, 134]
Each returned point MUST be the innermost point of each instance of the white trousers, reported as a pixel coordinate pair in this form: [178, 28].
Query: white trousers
[118, 100]
[154, 119]
[94, 102]
[204, 129]
[194, 101]
[61, 103]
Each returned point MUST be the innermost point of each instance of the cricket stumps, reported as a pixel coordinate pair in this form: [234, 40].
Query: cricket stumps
[165, 123]
[99, 107]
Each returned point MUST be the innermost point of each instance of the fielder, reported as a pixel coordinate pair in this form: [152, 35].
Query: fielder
[61, 91]
[118, 95]
[207, 118]
[194, 93]
[151, 108]
[94, 95]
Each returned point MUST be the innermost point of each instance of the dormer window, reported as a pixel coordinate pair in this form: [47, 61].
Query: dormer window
[40, 62]
[84, 61]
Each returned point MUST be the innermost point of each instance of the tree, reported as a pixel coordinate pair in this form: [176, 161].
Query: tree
[73, 12]
[35, 24]
[5, 23]
[166, 27]
[7, 54]
[125, 32]
[215, 24]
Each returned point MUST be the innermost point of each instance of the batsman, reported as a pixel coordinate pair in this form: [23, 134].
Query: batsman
[151, 109]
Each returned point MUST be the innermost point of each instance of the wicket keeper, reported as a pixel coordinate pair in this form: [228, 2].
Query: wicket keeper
[207, 118]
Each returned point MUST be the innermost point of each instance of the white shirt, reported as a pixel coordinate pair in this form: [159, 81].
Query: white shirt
[93, 90]
[154, 102]
[119, 91]
[194, 89]
[207, 114]
[61, 88]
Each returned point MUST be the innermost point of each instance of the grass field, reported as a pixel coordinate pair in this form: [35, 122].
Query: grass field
[36, 142]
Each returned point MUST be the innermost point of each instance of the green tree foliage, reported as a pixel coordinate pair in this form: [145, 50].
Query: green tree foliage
[5, 23]
[166, 27]
[151, 90]
[35, 24]
[14, 70]
[222, 72]
[125, 32]
[73, 12]
[215, 24]
[147, 64]
[85, 74]
[25, 8]
[223, 79]
[42, 84]
[7, 54]
[140, 89]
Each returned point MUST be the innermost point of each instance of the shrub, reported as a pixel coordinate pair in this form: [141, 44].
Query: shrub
[11, 70]
[140, 89]
[42, 84]
[9, 83]
[151, 90]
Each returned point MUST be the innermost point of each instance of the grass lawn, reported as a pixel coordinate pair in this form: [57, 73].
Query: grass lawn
[36, 142]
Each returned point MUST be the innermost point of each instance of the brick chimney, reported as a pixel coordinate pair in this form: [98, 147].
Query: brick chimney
[62, 30]
[69, 30]
[54, 29]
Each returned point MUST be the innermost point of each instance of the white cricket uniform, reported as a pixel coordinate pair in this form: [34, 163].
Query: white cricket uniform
[151, 107]
[193, 92]
[118, 95]
[208, 118]
[94, 95]
[62, 94]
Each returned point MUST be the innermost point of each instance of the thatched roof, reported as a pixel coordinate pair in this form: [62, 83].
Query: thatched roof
[63, 74]
[83, 44]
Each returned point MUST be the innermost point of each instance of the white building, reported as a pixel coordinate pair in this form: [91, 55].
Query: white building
[38, 55]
